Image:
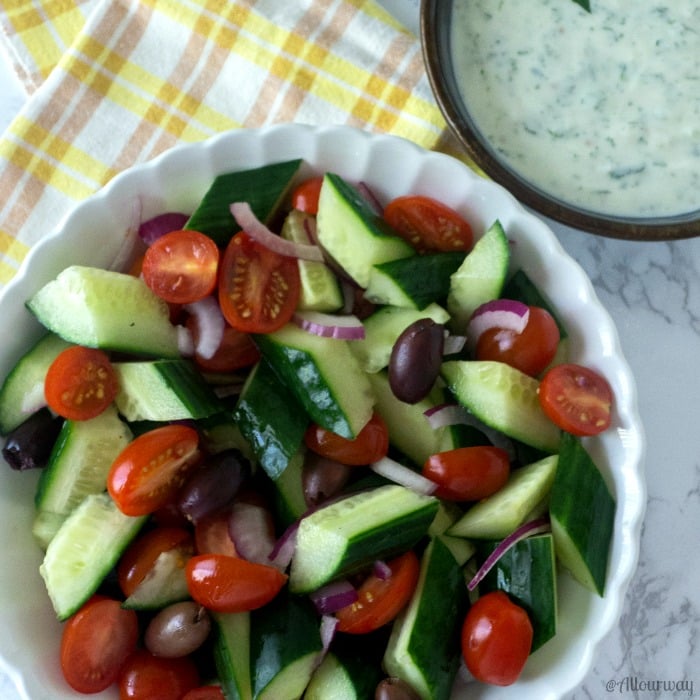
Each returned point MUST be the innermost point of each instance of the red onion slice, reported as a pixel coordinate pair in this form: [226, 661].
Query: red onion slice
[499, 313]
[152, 229]
[211, 324]
[382, 570]
[185, 342]
[333, 596]
[404, 476]
[283, 551]
[247, 220]
[251, 528]
[534, 527]
[368, 195]
[346, 327]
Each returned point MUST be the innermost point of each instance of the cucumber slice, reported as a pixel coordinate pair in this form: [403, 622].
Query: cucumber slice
[527, 572]
[289, 499]
[413, 282]
[263, 188]
[84, 550]
[423, 648]
[353, 233]
[383, 328]
[349, 534]
[164, 584]
[582, 512]
[285, 647]
[78, 466]
[448, 514]
[504, 399]
[232, 654]
[499, 515]
[163, 390]
[481, 276]
[22, 392]
[324, 375]
[320, 290]
[271, 419]
[108, 310]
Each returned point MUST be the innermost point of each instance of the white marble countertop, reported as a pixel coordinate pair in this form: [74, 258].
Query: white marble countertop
[652, 291]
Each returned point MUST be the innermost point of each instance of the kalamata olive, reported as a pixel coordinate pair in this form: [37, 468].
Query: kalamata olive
[395, 689]
[177, 630]
[322, 478]
[213, 486]
[415, 360]
[29, 445]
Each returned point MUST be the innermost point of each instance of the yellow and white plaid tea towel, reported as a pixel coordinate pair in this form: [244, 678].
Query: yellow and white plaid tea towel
[115, 82]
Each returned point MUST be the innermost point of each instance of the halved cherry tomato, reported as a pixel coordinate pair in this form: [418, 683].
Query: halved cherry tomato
[468, 473]
[140, 556]
[381, 599]
[96, 642]
[496, 639]
[80, 383]
[370, 445]
[530, 351]
[258, 288]
[236, 350]
[227, 584]
[205, 692]
[428, 225]
[577, 399]
[147, 677]
[181, 266]
[305, 197]
[151, 468]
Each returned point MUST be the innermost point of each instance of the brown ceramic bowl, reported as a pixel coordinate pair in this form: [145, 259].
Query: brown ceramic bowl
[435, 26]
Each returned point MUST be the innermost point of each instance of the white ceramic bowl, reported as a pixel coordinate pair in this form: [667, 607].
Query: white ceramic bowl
[93, 233]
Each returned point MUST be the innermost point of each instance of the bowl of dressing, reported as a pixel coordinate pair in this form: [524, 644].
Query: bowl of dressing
[589, 116]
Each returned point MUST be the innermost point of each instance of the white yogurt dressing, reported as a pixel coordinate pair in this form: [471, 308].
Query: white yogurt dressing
[602, 109]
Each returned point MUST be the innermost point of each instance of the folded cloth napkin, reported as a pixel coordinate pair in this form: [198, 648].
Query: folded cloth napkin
[115, 82]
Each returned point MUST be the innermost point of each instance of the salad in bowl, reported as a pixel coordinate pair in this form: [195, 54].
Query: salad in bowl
[302, 412]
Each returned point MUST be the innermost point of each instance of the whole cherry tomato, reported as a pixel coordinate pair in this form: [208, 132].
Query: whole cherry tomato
[370, 444]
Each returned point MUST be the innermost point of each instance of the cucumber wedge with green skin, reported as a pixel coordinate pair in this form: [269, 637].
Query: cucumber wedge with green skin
[351, 533]
[164, 584]
[480, 278]
[320, 290]
[383, 328]
[22, 392]
[84, 550]
[232, 654]
[263, 188]
[582, 511]
[524, 495]
[285, 647]
[78, 466]
[163, 390]
[353, 233]
[108, 310]
[413, 282]
[503, 398]
[324, 375]
[424, 649]
[271, 419]
[527, 573]
[288, 490]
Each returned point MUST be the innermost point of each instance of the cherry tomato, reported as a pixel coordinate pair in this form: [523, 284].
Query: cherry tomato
[140, 556]
[530, 351]
[211, 535]
[258, 288]
[496, 639]
[381, 599]
[468, 473]
[370, 444]
[236, 350]
[181, 266]
[428, 225]
[228, 584]
[148, 677]
[205, 692]
[577, 399]
[80, 383]
[151, 469]
[305, 197]
[95, 644]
